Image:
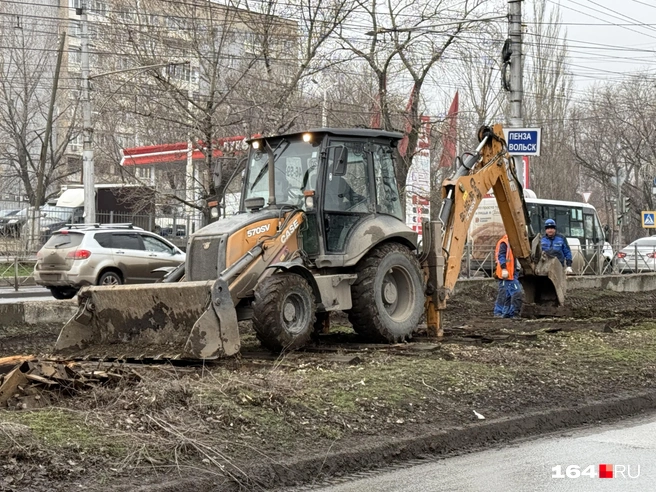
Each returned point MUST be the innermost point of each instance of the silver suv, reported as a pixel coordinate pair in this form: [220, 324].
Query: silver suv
[102, 255]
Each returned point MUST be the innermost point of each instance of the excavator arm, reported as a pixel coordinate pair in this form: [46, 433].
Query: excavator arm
[489, 167]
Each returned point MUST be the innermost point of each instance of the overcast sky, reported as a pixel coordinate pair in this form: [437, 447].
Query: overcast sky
[609, 38]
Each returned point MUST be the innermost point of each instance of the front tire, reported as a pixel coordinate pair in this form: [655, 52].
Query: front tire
[388, 295]
[284, 311]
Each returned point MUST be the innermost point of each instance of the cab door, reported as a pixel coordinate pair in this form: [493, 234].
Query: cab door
[348, 196]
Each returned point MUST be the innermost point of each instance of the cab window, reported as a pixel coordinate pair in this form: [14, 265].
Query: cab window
[350, 192]
[387, 191]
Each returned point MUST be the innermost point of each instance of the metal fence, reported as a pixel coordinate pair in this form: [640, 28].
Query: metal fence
[22, 234]
[594, 260]
[20, 240]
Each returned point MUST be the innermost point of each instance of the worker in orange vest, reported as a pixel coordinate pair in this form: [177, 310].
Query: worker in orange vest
[509, 298]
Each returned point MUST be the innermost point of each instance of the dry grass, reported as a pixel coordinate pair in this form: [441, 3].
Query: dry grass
[223, 419]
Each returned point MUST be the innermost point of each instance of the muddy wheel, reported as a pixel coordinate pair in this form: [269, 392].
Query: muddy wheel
[62, 292]
[110, 278]
[388, 295]
[284, 311]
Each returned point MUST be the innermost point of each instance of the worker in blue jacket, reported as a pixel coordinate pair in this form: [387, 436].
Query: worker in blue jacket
[555, 244]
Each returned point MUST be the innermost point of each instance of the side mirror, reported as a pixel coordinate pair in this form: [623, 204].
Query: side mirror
[341, 158]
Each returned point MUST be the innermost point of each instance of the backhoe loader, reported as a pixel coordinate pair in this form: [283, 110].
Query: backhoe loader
[321, 228]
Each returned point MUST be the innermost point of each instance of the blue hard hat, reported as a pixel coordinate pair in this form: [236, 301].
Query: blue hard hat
[549, 223]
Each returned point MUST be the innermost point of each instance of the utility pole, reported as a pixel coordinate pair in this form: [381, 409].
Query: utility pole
[516, 68]
[88, 172]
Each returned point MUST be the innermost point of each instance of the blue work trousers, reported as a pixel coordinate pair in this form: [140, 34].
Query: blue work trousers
[509, 299]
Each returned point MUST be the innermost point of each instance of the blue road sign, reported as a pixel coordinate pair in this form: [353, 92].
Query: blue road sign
[649, 219]
[523, 141]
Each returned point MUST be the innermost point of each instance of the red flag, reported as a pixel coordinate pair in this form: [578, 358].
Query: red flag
[450, 136]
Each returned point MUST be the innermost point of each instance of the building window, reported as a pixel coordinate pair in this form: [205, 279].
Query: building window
[142, 172]
[75, 29]
[75, 56]
[99, 7]
[76, 143]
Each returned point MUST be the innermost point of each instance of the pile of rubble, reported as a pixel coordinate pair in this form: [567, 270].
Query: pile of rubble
[26, 382]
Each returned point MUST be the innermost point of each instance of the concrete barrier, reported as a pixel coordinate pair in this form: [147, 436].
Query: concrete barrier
[36, 313]
[642, 282]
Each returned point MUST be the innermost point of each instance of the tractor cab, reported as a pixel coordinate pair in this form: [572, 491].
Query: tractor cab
[343, 180]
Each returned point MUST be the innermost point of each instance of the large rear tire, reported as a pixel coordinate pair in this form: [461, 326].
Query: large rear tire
[388, 295]
[284, 311]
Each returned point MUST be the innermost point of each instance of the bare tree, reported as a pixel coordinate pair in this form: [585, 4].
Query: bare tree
[547, 98]
[613, 134]
[237, 72]
[407, 41]
[26, 83]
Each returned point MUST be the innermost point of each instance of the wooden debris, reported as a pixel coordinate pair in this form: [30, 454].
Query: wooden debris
[11, 385]
[26, 385]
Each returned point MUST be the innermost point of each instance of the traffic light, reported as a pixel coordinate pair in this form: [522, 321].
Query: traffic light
[626, 204]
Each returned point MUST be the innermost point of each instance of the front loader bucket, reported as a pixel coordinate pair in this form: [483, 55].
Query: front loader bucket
[185, 320]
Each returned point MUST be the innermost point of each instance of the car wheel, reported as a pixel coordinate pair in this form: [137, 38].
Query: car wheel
[110, 278]
[63, 292]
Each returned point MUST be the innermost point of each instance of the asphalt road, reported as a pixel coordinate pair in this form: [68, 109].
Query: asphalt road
[34, 293]
[629, 446]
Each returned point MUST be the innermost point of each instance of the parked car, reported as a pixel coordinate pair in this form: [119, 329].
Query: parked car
[639, 256]
[180, 231]
[12, 222]
[54, 218]
[102, 255]
[5, 213]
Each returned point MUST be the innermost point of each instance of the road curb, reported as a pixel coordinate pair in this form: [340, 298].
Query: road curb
[387, 452]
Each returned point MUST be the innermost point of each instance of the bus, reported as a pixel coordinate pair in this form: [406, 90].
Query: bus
[577, 221]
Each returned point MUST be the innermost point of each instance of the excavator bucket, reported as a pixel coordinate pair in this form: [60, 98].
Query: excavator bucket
[545, 289]
[186, 320]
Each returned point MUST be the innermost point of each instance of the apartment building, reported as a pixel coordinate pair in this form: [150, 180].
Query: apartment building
[201, 51]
